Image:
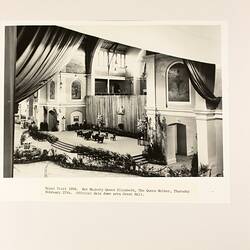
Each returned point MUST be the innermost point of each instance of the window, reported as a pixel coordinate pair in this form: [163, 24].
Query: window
[143, 86]
[122, 60]
[76, 90]
[111, 57]
[101, 87]
[114, 58]
[178, 83]
[52, 90]
[118, 59]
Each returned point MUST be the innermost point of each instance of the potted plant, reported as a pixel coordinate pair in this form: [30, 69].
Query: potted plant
[100, 121]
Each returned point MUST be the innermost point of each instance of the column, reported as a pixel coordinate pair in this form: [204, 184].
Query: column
[61, 119]
[108, 86]
[90, 84]
[150, 83]
[59, 86]
[206, 140]
[150, 61]
[171, 144]
[40, 115]
[136, 85]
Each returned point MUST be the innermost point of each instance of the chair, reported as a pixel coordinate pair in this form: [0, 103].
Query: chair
[113, 137]
[106, 135]
[87, 136]
[79, 133]
[100, 138]
[95, 136]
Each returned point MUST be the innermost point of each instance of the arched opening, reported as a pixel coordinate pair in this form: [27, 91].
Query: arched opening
[45, 114]
[53, 126]
[76, 117]
[181, 137]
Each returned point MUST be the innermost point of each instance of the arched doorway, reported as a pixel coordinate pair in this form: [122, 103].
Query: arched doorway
[52, 121]
[181, 139]
[176, 141]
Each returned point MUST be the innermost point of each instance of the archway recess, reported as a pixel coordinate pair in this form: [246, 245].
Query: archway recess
[52, 124]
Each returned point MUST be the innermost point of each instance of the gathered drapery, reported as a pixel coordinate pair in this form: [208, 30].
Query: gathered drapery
[42, 51]
[202, 76]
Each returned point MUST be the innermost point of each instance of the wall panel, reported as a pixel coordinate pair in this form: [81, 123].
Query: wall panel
[108, 106]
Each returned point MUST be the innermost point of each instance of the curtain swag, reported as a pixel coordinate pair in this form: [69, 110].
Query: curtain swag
[202, 76]
[41, 53]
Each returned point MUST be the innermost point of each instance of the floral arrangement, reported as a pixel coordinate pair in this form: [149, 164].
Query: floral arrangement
[100, 120]
[28, 153]
[153, 153]
[105, 157]
[89, 159]
[186, 172]
[141, 125]
[181, 172]
[40, 136]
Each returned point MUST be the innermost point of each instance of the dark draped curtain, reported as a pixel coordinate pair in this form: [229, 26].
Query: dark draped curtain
[42, 51]
[202, 76]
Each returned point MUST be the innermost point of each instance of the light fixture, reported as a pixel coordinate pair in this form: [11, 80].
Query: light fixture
[60, 80]
[116, 64]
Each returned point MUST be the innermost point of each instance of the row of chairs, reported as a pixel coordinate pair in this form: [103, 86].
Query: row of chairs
[96, 136]
[86, 134]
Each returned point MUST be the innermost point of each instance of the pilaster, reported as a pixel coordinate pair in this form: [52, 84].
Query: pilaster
[206, 139]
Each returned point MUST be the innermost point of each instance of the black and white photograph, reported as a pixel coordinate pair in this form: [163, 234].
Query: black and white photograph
[82, 105]
[125, 125]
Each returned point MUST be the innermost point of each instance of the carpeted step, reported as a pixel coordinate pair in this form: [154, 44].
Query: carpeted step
[142, 162]
[137, 156]
[63, 149]
[63, 146]
[139, 160]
